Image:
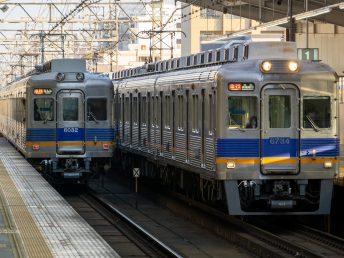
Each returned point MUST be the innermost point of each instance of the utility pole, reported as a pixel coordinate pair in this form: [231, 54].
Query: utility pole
[291, 29]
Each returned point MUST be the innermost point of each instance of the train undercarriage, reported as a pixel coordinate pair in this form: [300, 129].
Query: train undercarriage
[240, 197]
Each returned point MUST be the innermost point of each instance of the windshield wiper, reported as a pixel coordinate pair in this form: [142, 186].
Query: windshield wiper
[92, 116]
[313, 124]
[232, 121]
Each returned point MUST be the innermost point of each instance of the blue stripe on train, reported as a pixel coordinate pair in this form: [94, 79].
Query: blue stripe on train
[41, 134]
[49, 134]
[325, 147]
[101, 134]
[237, 148]
[280, 147]
[70, 134]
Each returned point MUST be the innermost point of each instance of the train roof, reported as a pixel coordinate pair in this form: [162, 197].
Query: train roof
[237, 51]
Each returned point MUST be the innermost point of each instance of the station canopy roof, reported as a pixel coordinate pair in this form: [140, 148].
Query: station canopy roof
[268, 10]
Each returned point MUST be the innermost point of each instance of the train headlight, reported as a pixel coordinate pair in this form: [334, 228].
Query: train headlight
[80, 76]
[60, 77]
[230, 164]
[328, 164]
[293, 66]
[266, 66]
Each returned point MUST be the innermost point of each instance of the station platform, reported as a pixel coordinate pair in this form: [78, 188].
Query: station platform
[35, 221]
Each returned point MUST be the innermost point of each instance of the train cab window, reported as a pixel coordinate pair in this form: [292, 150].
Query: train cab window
[316, 112]
[96, 109]
[279, 111]
[43, 109]
[242, 112]
[70, 109]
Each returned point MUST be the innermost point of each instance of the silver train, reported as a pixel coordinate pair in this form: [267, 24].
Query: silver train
[247, 124]
[61, 118]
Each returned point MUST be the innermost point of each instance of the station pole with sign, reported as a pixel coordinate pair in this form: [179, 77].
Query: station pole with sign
[136, 175]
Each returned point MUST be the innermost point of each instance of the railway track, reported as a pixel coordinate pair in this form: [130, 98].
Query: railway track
[122, 234]
[274, 241]
[325, 244]
[269, 240]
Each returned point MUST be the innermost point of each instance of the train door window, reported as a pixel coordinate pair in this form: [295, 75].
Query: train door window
[211, 113]
[279, 111]
[317, 112]
[144, 111]
[96, 109]
[180, 112]
[152, 111]
[167, 115]
[194, 114]
[122, 107]
[158, 112]
[43, 109]
[135, 117]
[126, 110]
[70, 109]
[242, 112]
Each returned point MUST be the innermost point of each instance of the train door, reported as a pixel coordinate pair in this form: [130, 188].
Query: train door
[187, 123]
[203, 128]
[70, 122]
[280, 136]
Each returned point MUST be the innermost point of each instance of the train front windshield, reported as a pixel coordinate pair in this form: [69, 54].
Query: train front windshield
[316, 112]
[242, 112]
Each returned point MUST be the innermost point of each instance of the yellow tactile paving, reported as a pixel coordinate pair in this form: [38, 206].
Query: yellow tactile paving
[31, 238]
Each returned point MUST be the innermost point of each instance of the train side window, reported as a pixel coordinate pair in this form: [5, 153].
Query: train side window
[242, 112]
[279, 111]
[43, 109]
[70, 109]
[316, 112]
[96, 109]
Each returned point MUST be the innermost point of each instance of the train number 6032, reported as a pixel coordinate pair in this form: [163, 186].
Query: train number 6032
[70, 130]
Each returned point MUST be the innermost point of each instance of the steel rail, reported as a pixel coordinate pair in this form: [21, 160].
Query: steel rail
[323, 237]
[161, 246]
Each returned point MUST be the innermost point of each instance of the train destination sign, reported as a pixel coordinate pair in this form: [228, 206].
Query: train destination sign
[42, 91]
[240, 86]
